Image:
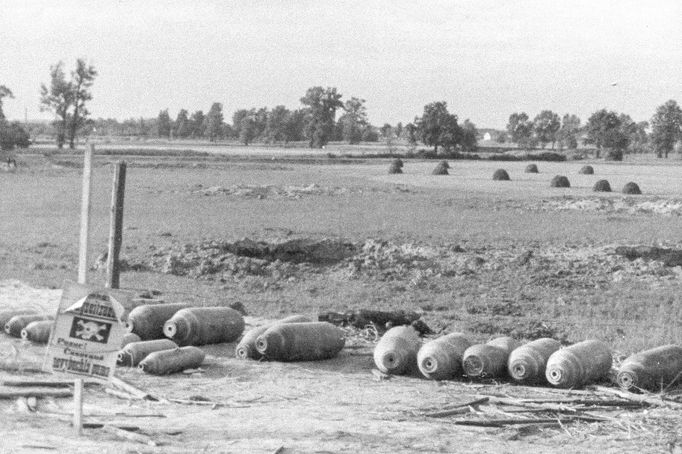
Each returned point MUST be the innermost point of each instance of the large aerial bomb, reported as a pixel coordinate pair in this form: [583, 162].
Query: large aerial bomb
[147, 320]
[128, 338]
[489, 359]
[132, 354]
[309, 341]
[396, 351]
[653, 370]
[204, 325]
[246, 348]
[527, 363]
[441, 359]
[38, 332]
[6, 315]
[15, 324]
[170, 361]
[579, 364]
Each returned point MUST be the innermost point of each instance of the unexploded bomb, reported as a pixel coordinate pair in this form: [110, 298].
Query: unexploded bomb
[396, 351]
[301, 341]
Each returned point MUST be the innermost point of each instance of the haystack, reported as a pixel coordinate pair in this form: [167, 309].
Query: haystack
[441, 168]
[602, 186]
[631, 188]
[396, 166]
[501, 175]
[531, 168]
[586, 170]
[560, 181]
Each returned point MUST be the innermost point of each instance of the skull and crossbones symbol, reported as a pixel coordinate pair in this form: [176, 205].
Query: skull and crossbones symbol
[88, 330]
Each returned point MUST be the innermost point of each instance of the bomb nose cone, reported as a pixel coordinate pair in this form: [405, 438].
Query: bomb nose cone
[473, 366]
[429, 365]
[519, 371]
[24, 334]
[626, 380]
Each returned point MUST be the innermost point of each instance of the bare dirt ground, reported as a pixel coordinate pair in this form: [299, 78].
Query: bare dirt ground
[470, 254]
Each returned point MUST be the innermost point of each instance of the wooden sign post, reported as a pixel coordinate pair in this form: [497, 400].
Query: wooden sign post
[85, 215]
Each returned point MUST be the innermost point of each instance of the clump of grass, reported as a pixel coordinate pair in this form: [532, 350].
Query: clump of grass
[501, 175]
[531, 168]
[586, 170]
[560, 181]
[631, 188]
[441, 168]
[396, 166]
[602, 186]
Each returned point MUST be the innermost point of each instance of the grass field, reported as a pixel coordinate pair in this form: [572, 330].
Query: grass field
[473, 255]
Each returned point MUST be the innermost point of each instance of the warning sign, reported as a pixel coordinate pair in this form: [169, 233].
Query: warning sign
[87, 332]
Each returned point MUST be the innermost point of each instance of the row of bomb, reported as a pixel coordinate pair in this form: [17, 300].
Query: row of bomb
[401, 351]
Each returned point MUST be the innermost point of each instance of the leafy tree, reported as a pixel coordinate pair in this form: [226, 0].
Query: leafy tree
[260, 119]
[276, 126]
[411, 132]
[237, 118]
[520, 128]
[354, 120]
[666, 127]
[545, 126]
[469, 140]
[163, 124]
[386, 130]
[399, 129]
[295, 125]
[570, 128]
[214, 121]
[197, 124]
[13, 135]
[4, 93]
[58, 98]
[322, 104]
[437, 127]
[182, 126]
[604, 130]
[248, 129]
[369, 134]
[81, 80]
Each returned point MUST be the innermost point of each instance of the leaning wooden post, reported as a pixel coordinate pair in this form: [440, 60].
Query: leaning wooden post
[116, 226]
[85, 215]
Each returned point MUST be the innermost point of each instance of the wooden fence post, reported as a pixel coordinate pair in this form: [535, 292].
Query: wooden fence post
[116, 226]
[85, 215]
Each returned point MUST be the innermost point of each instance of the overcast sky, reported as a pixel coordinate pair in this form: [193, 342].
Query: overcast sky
[485, 58]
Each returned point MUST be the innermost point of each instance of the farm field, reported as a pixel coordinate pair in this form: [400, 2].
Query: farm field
[473, 255]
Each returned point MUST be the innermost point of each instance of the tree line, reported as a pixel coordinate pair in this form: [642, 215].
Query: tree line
[316, 123]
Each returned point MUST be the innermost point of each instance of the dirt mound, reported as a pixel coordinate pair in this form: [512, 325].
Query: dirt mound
[631, 188]
[601, 186]
[531, 168]
[586, 170]
[560, 181]
[625, 205]
[263, 192]
[501, 175]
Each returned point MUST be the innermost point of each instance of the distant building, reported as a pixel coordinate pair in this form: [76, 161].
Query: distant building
[487, 136]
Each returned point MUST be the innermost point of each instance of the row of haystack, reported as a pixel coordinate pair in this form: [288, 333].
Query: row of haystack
[559, 181]
[542, 361]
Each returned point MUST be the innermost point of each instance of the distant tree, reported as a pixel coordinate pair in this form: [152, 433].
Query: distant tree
[58, 98]
[295, 125]
[469, 140]
[437, 127]
[13, 135]
[666, 127]
[260, 119]
[163, 124]
[214, 122]
[501, 137]
[399, 129]
[639, 138]
[568, 134]
[545, 126]
[411, 133]
[520, 128]
[81, 80]
[4, 93]
[386, 130]
[354, 120]
[322, 104]
[604, 130]
[182, 126]
[369, 134]
[276, 125]
[197, 124]
[237, 118]
[248, 129]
